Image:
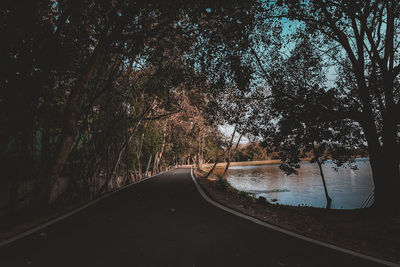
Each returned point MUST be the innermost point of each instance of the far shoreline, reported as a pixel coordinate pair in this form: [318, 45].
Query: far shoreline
[249, 163]
[256, 162]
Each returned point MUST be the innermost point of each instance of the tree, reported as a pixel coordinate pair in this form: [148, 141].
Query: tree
[363, 37]
[300, 125]
[79, 79]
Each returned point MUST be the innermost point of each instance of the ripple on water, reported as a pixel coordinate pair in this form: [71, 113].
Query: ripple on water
[348, 188]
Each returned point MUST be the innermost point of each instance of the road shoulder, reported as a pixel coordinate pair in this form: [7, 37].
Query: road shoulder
[325, 228]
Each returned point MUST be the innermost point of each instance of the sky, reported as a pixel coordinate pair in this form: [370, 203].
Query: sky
[227, 130]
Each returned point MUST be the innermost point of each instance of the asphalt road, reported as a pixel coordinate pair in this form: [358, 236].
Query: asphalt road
[164, 221]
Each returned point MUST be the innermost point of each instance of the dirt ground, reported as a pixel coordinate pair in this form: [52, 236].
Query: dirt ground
[360, 230]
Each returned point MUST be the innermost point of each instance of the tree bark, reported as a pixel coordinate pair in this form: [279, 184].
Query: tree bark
[148, 166]
[159, 155]
[228, 163]
[126, 143]
[71, 116]
[215, 165]
[154, 170]
[328, 199]
[321, 172]
[384, 166]
[385, 173]
[199, 156]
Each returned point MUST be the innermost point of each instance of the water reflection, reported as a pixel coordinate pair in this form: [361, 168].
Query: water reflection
[348, 188]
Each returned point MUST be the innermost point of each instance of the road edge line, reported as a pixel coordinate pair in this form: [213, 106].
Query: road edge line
[30, 231]
[287, 232]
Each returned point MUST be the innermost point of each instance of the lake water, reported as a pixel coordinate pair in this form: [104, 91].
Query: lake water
[348, 188]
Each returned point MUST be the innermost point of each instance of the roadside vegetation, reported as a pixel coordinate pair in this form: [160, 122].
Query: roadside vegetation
[359, 230]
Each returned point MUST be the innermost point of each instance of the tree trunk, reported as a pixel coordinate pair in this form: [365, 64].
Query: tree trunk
[328, 199]
[384, 166]
[159, 156]
[127, 178]
[228, 159]
[154, 170]
[215, 165]
[228, 163]
[127, 142]
[71, 116]
[386, 193]
[385, 173]
[321, 172]
[139, 171]
[199, 156]
[138, 157]
[148, 167]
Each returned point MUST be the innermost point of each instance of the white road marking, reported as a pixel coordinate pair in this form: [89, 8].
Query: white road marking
[52, 221]
[287, 232]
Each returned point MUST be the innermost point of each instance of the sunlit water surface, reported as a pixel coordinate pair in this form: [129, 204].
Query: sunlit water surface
[348, 188]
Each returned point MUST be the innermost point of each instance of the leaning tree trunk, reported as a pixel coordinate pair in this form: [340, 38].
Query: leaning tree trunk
[328, 199]
[157, 158]
[199, 155]
[215, 165]
[148, 166]
[316, 158]
[71, 116]
[153, 171]
[139, 156]
[230, 153]
[126, 144]
[228, 159]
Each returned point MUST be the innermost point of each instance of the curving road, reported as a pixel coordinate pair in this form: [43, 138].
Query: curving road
[164, 221]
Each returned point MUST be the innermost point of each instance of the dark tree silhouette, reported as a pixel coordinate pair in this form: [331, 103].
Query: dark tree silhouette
[362, 38]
